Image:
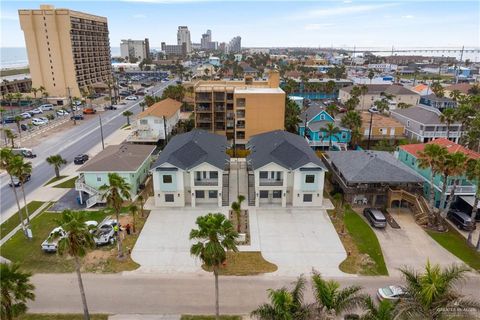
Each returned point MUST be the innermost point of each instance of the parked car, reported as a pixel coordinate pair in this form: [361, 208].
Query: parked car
[23, 127]
[390, 293]
[373, 110]
[46, 107]
[44, 119]
[131, 98]
[17, 183]
[461, 220]
[110, 108]
[80, 159]
[38, 122]
[89, 111]
[62, 113]
[9, 120]
[24, 152]
[77, 117]
[105, 233]
[25, 115]
[51, 243]
[375, 217]
[36, 111]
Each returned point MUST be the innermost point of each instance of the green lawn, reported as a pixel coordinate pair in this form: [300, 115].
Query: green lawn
[245, 263]
[68, 184]
[29, 253]
[10, 224]
[45, 316]
[54, 179]
[457, 245]
[192, 317]
[366, 241]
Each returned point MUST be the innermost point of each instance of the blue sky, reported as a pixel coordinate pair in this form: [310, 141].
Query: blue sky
[399, 23]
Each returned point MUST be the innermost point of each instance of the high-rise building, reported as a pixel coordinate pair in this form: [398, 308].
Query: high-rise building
[206, 40]
[183, 36]
[135, 49]
[174, 49]
[68, 51]
[240, 109]
[235, 45]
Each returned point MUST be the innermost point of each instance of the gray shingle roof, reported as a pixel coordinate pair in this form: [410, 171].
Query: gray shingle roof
[190, 149]
[286, 149]
[371, 167]
[424, 115]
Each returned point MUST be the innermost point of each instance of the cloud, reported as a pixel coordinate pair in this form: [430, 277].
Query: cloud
[339, 11]
[317, 26]
[139, 16]
[408, 16]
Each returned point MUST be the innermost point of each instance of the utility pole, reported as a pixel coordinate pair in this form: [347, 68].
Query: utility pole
[165, 131]
[370, 130]
[71, 106]
[456, 69]
[101, 132]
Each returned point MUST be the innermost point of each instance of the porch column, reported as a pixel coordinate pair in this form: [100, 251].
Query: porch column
[284, 198]
[81, 198]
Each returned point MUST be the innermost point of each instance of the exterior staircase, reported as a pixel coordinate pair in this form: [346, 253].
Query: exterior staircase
[419, 204]
[94, 195]
[251, 189]
[225, 188]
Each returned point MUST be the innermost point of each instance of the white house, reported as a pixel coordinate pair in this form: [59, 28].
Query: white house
[284, 170]
[191, 171]
[156, 122]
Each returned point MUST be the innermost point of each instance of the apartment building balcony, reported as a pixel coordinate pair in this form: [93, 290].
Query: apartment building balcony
[203, 97]
[219, 96]
[440, 134]
[144, 136]
[204, 126]
[205, 182]
[270, 182]
[460, 190]
[240, 114]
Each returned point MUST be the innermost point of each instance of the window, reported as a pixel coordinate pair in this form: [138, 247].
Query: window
[277, 194]
[169, 197]
[167, 179]
[263, 174]
[212, 194]
[263, 194]
[99, 179]
[200, 194]
[307, 197]
[143, 121]
[157, 121]
[322, 117]
[408, 123]
[309, 178]
[213, 175]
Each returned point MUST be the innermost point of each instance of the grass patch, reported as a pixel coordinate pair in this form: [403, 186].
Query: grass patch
[12, 72]
[50, 316]
[202, 317]
[54, 179]
[10, 224]
[457, 245]
[67, 184]
[245, 263]
[126, 125]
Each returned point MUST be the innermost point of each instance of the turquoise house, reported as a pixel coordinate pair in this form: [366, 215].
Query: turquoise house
[313, 128]
[408, 154]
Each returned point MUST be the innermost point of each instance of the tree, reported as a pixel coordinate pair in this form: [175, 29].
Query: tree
[330, 87]
[18, 119]
[371, 75]
[56, 161]
[333, 301]
[455, 95]
[331, 110]
[330, 131]
[352, 120]
[385, 310]
[9, 163]
[76, 243]
[292, 116]
[174, 92]
[115, 192]
[363, 92]
[214, 237]
[237, 208]
[285, 304]
[438, 90]
[10, 135]
[143, 105]
[22, 170]
[133, 209]
[431, 292]
[16, 290]
[403, 105]
[447, 117]
[352, 103]
[34, 91]
[18, 96]
[473, 174]
[128, 114]
[141, 201]
[381, 105]
[457, 161]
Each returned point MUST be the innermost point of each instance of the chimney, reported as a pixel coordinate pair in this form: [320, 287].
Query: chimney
[273, 79]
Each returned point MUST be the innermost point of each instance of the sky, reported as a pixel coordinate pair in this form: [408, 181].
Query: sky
[401, 23]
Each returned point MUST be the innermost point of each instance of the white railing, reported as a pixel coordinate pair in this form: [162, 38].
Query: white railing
[80, 185]
[461, 189]
[206, 182]
[440, 134]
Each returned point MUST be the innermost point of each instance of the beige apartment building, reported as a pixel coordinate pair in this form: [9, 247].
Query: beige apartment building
[240, 109]
[68, 51]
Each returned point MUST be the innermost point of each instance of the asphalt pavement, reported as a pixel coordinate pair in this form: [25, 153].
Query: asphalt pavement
[70, 143]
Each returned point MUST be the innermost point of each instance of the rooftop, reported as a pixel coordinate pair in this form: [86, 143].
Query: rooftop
[421, 114]
[462, 87]
[386, 88]
[452, 147]
[165, 108]
[379, 120]
[258, 90]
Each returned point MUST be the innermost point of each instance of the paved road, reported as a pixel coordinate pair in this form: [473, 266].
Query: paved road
[174, 294]
[69, 144]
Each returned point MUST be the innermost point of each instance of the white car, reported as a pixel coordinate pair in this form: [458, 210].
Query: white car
[36, 111]
[131, 98]
[26, 115]
[390, 293]
[57, 234]
[62, 112]
[373, 110]
[38, 122]
[46, 107]
[105, 233]
[44, 119]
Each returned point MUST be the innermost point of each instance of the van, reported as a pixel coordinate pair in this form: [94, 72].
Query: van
[375, 217]
[45, 107]
[461, 220]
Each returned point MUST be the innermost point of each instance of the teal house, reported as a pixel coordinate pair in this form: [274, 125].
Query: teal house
[130, 161]
[313, 128]
[408, 154]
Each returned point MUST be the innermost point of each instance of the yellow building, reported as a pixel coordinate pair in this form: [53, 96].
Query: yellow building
[240, 109]
[68, 51]
[383, 127]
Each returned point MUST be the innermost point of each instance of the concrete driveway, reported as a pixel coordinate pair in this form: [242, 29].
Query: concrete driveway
[410, 245]
[297, 240]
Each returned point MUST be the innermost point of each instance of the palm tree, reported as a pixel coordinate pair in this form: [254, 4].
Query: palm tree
[133, 209]
[141, 200]
[128, 114]
[331, 110]
[352, 120]
[16, 289]
[352, 103]
[363, 92]
[381, 105]
[285, 304]
[18, 96]
[431, 292]
[473, 174]
[448, 117]
[330, 131]
[455, 95]
[457, 162]
[403, 105]
[9, 163]
[18, 119]
[34, 91]
[385, 310]
[22, 170]
[371, 75]
[292, 114]
[56, 161]
[10, 135]
[237, 208]
[142, 105]
[438, 89]
[330, 87]
[115, 192]
[333, 301]
[78, 240]
[214, 237]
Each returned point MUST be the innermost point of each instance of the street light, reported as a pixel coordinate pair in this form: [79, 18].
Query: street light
[370, 129]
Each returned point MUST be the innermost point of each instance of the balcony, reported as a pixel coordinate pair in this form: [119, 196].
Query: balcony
[270, 182]
[206, 182]
[460, 190]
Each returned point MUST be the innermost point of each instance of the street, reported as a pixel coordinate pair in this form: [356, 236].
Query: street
[69, 144]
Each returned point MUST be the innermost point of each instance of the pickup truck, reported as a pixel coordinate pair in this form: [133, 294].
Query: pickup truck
[24, 152]
[105, 234]
[57, 234]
